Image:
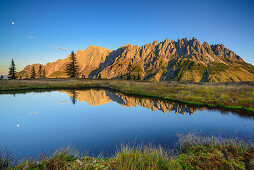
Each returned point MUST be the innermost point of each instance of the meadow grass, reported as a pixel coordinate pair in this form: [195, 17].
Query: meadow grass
[191, 152]
[6, 159]
[238, 96]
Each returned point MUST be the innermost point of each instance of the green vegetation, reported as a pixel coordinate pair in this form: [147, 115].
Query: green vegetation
[33, 73]
[137, 69]
[238, 96]
[12, 70]
[40, 73]
[217, 67]
[44, 73]
[181, 68]
[5, 158]
[135, 72]
[247, 67]
[191, 152]
[72, 68]
[57, 74]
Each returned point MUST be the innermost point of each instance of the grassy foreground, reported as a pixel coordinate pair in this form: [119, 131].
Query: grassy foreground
[239, 96]
[193, 152]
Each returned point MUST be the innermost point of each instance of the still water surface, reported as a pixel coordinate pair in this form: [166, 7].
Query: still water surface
[98, 121]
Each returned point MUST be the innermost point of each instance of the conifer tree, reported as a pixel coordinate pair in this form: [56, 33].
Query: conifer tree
[40, 72]
[72, 68]
[44, 73]
[33, 73]
[12, 70]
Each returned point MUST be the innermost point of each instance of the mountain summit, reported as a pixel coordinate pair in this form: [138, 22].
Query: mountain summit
[182, 60]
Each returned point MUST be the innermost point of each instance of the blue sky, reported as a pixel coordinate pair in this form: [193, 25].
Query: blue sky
[46, 30]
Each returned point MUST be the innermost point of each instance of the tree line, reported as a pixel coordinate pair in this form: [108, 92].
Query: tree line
[40, 74]
[72, 69]
[13, 74]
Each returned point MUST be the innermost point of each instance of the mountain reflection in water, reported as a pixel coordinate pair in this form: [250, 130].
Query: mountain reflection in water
[96, 97]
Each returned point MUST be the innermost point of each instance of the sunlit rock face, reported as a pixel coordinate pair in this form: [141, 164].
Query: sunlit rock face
[181, 60]
[98, 97]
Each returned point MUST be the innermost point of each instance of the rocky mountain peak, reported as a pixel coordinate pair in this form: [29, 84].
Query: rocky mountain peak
[205, 44]
[166, 40]
[155, 43]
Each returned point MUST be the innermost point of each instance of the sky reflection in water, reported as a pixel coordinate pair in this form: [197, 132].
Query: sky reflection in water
[97, 121]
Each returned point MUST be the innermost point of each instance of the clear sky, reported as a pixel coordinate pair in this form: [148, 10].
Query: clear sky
[41, 31]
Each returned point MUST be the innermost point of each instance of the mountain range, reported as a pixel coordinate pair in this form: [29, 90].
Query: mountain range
[182, 60]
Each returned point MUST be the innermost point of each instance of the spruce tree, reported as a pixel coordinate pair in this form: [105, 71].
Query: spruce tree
[72, 68]
[33, 73]
[40, 73]
[12, 70]
[44, 73]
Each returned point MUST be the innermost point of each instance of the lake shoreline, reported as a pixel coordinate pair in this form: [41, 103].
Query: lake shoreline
[195, 94]
[191, 152]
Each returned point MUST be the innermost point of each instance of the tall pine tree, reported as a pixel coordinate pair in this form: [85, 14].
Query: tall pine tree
[12, 70]
[44, 73]
[33, 73]
[40, 73]
[72, 68]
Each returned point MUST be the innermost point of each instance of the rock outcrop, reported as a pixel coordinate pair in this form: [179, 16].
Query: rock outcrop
[182, 60]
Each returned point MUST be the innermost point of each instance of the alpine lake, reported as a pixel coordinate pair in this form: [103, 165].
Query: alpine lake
[98, 121]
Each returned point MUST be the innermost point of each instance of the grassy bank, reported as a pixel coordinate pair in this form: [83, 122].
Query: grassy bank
[192, 152]
[239, 96]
